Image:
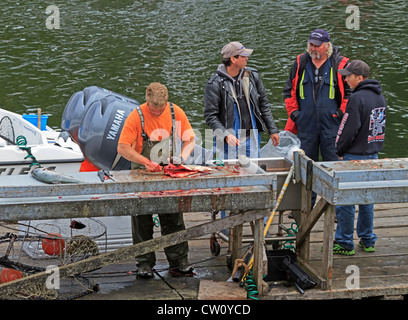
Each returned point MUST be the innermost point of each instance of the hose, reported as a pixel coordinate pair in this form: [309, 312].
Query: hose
[156, 221]
[292, 231]
[21, 142]
[218, 162]
[250, 286]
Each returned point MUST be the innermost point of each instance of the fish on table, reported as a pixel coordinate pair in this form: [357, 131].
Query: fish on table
[180, 171]
[52, 177]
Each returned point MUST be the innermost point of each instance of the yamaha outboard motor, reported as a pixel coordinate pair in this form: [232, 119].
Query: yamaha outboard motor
[78, 105]
[100, 129]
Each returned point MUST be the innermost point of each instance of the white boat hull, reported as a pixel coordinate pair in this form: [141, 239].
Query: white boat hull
[58, 151]
[50, 148]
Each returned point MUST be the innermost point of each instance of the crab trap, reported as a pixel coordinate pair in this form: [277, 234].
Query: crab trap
[68, 240]
[48, 244]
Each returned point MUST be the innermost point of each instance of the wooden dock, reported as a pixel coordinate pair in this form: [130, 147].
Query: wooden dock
[382, 274]
[365, 275]
[379, 275]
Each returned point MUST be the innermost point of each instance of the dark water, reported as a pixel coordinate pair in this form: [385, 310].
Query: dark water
[125, 45]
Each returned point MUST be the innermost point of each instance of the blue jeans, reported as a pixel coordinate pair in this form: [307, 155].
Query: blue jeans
[251, 150]
[365, 220]
[248, 151]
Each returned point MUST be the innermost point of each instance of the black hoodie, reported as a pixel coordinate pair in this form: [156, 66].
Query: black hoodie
[362, 129]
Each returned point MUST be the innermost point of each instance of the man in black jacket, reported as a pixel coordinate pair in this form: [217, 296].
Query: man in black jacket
[361, 136]
[236, 107]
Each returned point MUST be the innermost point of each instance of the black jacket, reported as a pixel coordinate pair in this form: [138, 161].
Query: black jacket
[362, 129]
[219, 102]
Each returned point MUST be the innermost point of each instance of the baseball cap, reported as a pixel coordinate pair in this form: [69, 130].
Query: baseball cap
[357, 67]
[318, 36]
[235, 49]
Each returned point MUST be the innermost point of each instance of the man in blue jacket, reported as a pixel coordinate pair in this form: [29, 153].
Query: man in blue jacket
[316, 96]
[361, 136]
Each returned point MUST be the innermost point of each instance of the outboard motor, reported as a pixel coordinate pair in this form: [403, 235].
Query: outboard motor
[100, 129]
[78, 105]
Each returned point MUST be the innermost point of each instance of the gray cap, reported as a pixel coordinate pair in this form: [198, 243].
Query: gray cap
[235, 49]
[357, 67]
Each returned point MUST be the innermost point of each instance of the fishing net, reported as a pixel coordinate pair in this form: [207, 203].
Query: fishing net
[7, 130]
[45, 246]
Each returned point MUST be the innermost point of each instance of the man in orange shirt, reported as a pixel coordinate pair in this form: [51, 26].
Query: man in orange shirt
[148, 142]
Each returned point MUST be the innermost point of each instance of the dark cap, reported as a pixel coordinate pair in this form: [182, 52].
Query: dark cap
[318, 36]
[357, 67]
[235, 49]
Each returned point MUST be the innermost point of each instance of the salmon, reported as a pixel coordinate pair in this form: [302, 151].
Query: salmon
[180, 171]
[52, 177]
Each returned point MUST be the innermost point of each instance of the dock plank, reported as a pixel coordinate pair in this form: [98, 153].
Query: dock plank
[383, 273]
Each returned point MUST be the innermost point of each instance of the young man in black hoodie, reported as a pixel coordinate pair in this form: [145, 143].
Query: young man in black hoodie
[360, 136]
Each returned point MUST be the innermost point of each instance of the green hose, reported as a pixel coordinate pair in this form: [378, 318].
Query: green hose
[218, 162]
[21, 142]
[250, 286]
[156, 221]
[292, 231]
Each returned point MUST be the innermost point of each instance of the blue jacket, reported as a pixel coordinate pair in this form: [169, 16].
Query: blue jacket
[298, 95]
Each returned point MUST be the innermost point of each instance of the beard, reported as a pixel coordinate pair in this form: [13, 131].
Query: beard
[314, 54]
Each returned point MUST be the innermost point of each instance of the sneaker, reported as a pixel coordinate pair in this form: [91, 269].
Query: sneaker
[144, 272]
[366, 249]
[338, 249]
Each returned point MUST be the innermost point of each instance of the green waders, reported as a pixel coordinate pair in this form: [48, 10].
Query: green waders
[142, 228]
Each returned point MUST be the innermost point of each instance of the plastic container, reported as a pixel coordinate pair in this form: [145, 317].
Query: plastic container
[276, 269]
[33, 119]
[302, 280]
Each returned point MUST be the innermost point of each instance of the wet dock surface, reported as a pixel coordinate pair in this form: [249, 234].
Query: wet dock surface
[119, 282]
[382, 274]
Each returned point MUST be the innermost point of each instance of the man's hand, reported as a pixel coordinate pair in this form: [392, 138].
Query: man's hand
[130, 154]
[232, 140]
[153, 166]
[275, 139]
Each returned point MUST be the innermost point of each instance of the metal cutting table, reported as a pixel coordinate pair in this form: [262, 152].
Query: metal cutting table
[137, 192]
[342, 183]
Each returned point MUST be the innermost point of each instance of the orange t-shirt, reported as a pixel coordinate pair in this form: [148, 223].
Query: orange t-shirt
[156, 127]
